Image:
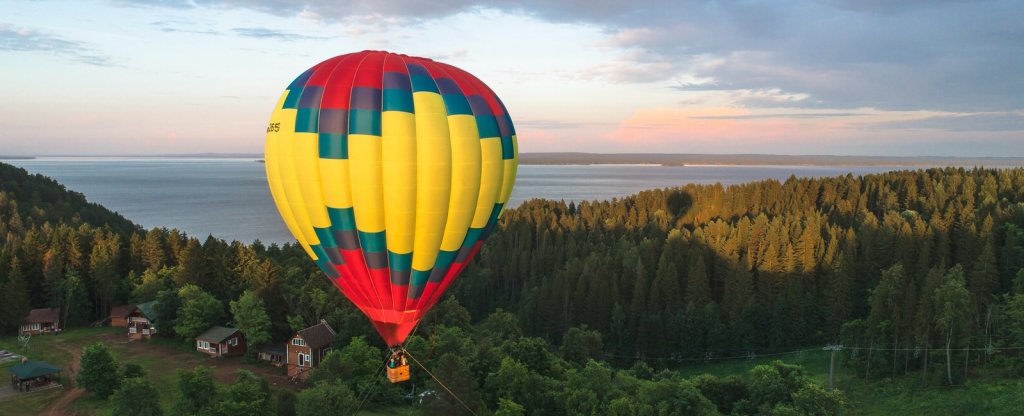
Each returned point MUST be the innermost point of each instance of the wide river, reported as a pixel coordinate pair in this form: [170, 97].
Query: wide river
[229, 198]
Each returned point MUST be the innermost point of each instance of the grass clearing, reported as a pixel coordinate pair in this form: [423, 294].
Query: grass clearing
[25, 404]
[161, 359]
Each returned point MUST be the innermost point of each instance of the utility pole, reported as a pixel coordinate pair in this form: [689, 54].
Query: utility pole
[832, 363]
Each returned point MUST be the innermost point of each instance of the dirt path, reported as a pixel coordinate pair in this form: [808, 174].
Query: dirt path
[62, 406]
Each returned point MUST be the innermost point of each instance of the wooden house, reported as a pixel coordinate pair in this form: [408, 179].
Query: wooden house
[41, 321]
[142, 321]
[307, 347]
[221, 341]
[119, 315]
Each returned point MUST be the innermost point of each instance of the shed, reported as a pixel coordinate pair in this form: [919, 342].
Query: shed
[274, 353]
[119, 315]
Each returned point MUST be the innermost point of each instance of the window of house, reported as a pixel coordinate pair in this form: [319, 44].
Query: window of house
[233, 342]
[36, 327]
[299, 341]
[203, 345]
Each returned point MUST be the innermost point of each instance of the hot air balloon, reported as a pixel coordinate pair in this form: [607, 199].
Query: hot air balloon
[390, 171]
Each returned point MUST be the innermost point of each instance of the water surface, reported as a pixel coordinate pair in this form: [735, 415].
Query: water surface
[229, 198]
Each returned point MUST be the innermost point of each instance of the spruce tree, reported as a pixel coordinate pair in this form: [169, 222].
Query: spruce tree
[15, 296]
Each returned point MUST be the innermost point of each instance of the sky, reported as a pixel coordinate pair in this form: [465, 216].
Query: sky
[841, 77]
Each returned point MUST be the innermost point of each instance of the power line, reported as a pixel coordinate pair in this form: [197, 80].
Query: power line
[752, 355]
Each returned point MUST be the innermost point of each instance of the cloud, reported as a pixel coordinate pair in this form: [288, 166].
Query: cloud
[267, 33]
[953, 56]
[182, 26]
[30, 40]
[988, 122]
[779, 115]
[950, 55]
[559, 124]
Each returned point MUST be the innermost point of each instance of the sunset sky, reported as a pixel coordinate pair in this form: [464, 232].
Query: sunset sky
[847, 77]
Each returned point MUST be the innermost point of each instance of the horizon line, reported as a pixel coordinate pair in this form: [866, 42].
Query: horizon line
[241, 155]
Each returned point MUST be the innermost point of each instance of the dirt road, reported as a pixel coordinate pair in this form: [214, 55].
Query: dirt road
[62, 406]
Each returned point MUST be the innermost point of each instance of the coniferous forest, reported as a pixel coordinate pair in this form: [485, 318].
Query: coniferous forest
[584, 308]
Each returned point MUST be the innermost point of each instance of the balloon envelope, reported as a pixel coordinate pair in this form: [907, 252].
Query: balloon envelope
[390, 170]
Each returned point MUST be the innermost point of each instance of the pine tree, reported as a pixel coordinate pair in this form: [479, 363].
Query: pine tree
[73, 300]
[737, 291]
[191, 265]
[697, 290]
[953, 308]
[665, 287]
[53, 271]
[838, 294]
[104, 263]
[154, 255]
[15, 297]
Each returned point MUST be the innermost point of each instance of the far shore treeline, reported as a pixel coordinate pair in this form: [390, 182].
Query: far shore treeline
[908, 269]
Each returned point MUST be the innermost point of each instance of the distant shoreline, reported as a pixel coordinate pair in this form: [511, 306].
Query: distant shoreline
[655, 159]
[682, 159]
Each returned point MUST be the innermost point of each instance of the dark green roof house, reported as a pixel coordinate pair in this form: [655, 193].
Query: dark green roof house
[142, 321]
[221, 341]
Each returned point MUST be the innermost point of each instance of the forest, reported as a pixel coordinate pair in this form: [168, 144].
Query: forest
[582, 308]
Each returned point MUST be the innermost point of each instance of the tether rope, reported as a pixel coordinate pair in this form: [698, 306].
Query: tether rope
[366, 394]
[439, 382]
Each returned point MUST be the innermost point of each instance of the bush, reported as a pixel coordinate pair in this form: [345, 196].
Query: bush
[100, 373]
[136, 397]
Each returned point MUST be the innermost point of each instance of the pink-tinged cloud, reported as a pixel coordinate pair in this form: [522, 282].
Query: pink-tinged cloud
[657, 127]
[796, 131]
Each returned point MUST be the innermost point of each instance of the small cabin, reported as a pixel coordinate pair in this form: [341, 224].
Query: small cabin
[221, 341]
[307, 347]
[41, 321]
[142, 321]
[273, 353]
[119, 315]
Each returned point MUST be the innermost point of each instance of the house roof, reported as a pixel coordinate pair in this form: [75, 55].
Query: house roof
[33, 369]
[318, 336]
[43, 315]
[149, 310]
[217, 334]
[121, 311]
